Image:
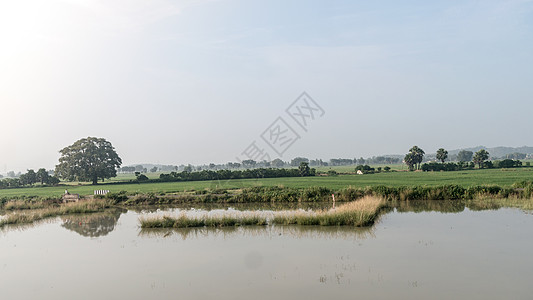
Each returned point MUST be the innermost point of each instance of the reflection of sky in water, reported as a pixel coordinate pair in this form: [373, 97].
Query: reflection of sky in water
[408, 255]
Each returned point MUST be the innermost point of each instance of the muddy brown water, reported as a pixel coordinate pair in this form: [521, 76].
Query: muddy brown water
[425, 250]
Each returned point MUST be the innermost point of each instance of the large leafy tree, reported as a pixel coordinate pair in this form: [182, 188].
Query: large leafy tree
[42, 176]
[442, 154]
[88, 159]
[481, 156]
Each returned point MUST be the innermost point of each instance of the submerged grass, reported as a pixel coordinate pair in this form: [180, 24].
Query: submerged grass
[30, 216]
[362, 212]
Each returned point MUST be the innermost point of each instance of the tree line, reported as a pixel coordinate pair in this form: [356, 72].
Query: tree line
[29, 179]
[466, 160]
[302, 171]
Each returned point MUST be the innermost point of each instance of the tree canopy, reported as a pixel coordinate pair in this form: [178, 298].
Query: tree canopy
[414, 157]
[88, 159]
[442, 154]
[464, 155]
[481, 156]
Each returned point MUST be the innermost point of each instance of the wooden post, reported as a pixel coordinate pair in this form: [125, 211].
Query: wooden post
[333, 196]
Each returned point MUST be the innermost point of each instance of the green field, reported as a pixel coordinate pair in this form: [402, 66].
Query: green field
[501, 177]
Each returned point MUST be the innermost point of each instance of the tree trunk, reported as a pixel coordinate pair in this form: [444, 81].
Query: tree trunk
[95, 180]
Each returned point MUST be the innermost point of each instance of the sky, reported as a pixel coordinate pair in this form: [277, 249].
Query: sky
[178, 82]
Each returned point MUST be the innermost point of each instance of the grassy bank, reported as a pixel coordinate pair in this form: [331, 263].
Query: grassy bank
[501, 177]
[280, 194]
[30, 216]
[362, 212]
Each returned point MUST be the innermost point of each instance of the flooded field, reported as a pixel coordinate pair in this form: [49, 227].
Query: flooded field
[420, 250]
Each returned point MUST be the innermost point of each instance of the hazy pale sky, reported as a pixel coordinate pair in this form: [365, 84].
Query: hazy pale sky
[177, 82]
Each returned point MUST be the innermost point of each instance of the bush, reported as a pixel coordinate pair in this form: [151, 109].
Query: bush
[332, 173]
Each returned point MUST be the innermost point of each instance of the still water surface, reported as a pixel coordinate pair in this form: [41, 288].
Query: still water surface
[441, 251]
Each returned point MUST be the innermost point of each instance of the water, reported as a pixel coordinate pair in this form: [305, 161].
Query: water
[441, 251]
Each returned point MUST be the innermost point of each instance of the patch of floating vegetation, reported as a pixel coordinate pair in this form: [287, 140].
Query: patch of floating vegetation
[32, 215]
[362, 212]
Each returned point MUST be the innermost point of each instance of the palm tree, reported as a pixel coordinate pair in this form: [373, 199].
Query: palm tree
[481, 156]
[409, 160]
[442, 155]
[418, 155]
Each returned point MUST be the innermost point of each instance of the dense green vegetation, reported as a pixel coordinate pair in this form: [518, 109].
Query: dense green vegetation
[302, 171]
[88, 159]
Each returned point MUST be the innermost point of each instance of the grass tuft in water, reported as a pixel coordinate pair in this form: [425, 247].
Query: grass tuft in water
[30, 216]
[362, 212]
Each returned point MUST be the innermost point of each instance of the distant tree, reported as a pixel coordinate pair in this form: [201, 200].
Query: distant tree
[481, 156]
[516, 155]
[508, 163]
[31, 177]
[332, 173]
[22, 179]
[11, 174]
[249, 163]
[52, 180]
[153, 170]
[366, 169]
[277, 163]
[188, 168]
[410, 161]
[417, 155]
[88, 159]
[464, 155]
[304, 169]
[138, 168]
[232, 165]
[142, 177]
[295, 162]
[42, 176]
[442, 154]
[264, 164]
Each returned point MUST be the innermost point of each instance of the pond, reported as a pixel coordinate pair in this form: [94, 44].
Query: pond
[420, 250]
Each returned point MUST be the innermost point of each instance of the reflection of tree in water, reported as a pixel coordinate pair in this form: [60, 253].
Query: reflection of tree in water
[93, 225]
[444, 206]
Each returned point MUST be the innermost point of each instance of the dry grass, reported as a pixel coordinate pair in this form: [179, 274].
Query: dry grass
[30, 216]
[25, 204]
[362, 212]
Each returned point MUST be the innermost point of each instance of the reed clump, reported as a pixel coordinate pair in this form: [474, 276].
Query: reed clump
[30, 216]
[362, 212]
